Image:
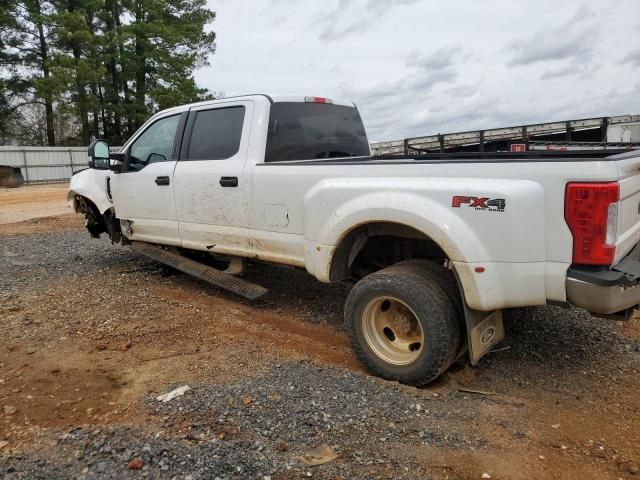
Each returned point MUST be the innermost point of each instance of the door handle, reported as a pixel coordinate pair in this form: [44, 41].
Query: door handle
[162, 180]
[228, 181]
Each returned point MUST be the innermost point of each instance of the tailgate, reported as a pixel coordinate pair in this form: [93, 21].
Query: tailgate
[629, 208]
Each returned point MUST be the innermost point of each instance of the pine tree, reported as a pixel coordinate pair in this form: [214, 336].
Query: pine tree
[78, 59]
[110, 64]
[169, 42]
[26, 53]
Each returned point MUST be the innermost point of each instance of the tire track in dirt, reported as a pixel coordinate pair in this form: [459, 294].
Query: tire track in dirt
[286, 333]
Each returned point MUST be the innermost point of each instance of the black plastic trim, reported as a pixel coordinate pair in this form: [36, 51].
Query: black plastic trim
[163, 180]
[228, 181]
[186, 136]
[73, 172]
[624, 273]
[177, 143]
[466, 157]
[596, 275]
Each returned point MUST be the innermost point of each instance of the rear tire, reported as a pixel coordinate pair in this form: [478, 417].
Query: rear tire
[403, 322]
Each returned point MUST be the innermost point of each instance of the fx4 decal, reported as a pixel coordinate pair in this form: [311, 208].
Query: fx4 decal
[480, 203]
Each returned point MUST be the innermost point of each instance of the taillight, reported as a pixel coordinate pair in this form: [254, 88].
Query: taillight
[591, 211]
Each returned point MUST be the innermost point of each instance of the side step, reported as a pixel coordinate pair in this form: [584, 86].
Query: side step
[237, 285]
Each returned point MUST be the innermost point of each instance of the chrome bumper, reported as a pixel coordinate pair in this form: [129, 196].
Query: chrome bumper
[606, 291]
[602, 299]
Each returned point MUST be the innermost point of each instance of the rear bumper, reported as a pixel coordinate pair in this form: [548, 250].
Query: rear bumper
[606, 291]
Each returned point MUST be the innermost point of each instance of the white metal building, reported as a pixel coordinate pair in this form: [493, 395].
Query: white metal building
[44, 164]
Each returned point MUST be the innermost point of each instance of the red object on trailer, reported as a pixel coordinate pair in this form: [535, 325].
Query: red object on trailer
[518, 147]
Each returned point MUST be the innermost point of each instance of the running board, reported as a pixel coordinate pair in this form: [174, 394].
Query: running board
[199, 270]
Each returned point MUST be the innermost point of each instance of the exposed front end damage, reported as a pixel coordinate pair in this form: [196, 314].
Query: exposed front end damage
[89, 195]
[97, 223]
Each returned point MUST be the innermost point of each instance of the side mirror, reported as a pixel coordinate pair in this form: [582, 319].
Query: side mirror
[100, 155]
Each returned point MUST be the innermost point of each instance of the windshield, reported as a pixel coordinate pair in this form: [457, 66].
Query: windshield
[305, 131]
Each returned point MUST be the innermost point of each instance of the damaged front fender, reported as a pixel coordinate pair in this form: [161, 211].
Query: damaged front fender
[89, 195]
[92, 185]
[97, 223]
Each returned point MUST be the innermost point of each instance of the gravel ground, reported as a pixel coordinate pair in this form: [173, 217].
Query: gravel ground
[559, 398]
[28, 261]
[263, 426]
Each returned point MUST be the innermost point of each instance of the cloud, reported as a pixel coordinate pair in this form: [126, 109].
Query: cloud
[385, 104]
[633, 58]
[572, 41]
[354, 16]
[559, 72]
[426, 81]
[583, 71]
[542, 47]
[439, 59]
[426, 72]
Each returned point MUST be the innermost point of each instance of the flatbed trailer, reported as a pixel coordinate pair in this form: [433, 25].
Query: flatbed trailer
[582, 134]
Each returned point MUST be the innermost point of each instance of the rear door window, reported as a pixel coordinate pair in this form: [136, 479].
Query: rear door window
[305, 131]
[216, 134]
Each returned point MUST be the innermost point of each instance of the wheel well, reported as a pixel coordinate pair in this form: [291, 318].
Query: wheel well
[374, 246]
[98, 223]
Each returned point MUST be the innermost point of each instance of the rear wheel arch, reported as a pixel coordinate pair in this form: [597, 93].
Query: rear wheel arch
[373, 246]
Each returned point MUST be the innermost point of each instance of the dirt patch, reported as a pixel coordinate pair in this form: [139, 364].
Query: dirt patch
[277, 330]
[90, 352]
[33, 201]
[59, 223]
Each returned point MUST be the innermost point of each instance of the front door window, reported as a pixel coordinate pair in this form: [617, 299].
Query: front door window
[155, 144]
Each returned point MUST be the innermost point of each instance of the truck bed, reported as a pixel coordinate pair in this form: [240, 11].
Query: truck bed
[468, 157]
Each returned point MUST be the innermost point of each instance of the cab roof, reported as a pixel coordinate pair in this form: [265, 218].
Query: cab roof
[271, 98]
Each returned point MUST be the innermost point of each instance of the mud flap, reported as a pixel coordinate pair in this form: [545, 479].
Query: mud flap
[484, 331]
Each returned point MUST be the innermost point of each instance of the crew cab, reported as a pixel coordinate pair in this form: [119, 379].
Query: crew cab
[437, 245]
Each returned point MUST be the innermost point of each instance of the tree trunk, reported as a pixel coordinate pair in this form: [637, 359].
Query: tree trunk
[44, 57]
[81, 97]
[126, 94]
[95, 114]
[103, 115]
[141, 69]
[111, 95]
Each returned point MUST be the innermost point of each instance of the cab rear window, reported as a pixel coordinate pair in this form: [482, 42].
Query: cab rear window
[306, 131]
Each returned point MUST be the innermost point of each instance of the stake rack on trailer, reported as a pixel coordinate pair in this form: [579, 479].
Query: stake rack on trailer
[586, 132]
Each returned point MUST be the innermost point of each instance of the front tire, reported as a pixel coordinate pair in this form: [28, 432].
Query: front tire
[403, 325]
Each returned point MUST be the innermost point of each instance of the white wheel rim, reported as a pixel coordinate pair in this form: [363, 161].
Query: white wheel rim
[392, 330]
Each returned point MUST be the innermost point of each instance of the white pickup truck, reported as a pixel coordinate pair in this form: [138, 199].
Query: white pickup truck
[436, 244]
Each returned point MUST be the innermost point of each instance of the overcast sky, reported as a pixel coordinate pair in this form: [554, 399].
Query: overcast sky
[417, 67]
